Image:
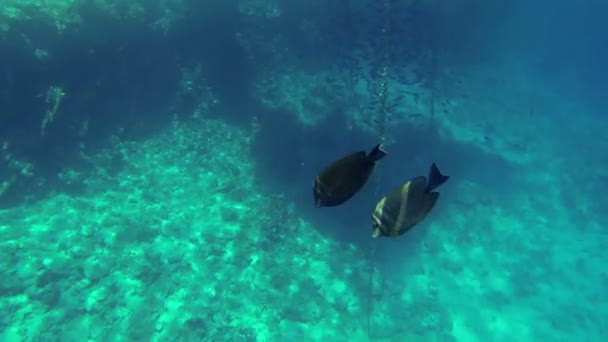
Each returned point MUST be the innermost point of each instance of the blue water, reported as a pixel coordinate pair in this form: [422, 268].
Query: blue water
[157, 161]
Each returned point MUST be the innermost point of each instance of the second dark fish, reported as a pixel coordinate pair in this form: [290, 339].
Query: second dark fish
[345, 177]
[407, 205]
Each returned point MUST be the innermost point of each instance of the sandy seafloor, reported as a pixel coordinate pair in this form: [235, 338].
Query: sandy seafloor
[170, 249]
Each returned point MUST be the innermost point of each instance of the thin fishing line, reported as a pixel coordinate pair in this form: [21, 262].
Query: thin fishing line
[379, 123]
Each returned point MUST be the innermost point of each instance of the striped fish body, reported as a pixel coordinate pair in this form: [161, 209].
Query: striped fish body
[403, 208]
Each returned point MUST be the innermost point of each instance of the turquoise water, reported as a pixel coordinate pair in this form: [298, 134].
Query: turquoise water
[157, 162]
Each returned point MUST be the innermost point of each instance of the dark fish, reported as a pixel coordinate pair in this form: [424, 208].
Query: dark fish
[345, 177]
[407, 205]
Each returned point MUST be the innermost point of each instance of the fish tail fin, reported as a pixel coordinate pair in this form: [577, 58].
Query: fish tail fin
[376, 154]
[435, 179]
